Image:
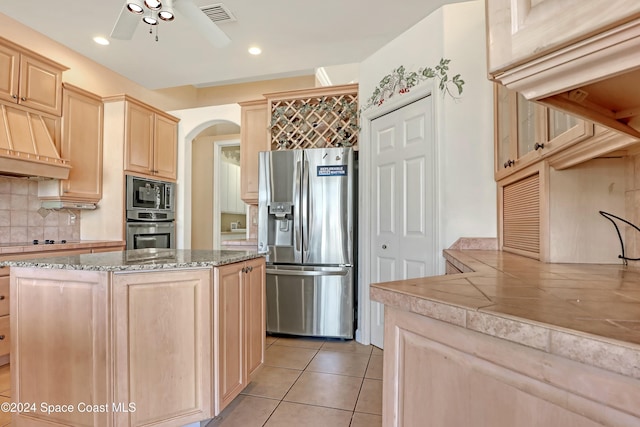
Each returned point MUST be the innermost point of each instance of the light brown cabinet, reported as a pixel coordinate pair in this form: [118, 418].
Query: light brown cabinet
[5, 341]
[82, 130]
[239, 313]
[255, 314]
[178, 344]
[254, 137]
[29, 79]
[523, 212]
[162, 359]
[151, 141]
[526, 132]
[440, 374]
[521, 31]
[580, 57]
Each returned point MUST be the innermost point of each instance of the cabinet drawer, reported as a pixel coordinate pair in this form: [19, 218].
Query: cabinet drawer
[4, 295]
[5, 342]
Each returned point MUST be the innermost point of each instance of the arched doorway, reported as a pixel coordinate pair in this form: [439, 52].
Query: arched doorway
[205, 216]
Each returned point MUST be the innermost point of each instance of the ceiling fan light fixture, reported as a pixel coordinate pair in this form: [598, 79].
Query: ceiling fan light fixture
[135, 6]
[166, 13]
[151, 19]
[153, 4]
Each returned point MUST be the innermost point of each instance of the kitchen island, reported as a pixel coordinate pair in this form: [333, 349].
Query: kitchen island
[510, 341]
[154, 337]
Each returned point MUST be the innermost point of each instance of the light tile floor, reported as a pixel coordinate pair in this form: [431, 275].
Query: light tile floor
[311, 382]
[304, 382]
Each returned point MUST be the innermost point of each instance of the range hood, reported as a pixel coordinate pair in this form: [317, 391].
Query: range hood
[27, 145]
[63, 204]
[597, 78]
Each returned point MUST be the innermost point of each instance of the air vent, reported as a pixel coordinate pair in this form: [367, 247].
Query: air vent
[218, 13]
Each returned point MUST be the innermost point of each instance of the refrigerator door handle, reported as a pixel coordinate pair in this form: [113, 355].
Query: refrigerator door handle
[297, 233]
[306, 272]
[307, 220]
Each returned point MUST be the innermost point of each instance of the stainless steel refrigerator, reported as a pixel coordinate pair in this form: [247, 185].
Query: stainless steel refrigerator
[306, 229]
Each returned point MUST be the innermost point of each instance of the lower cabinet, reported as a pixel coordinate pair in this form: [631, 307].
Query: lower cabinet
[439, 374]
[239, 314]
[134, 348]
[162, 358]
[5, 342]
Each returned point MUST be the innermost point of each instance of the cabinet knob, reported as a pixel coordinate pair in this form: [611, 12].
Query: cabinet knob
[251, 268]
[1, 297]
[244, 269]
[14, 96]
[22, 98]
[1, 337]
[509, 163]
[538, 146]
[384, 246]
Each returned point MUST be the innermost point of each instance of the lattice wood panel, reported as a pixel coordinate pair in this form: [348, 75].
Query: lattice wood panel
[315, 119]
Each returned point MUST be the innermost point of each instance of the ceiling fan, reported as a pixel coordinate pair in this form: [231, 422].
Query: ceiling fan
[152, 11]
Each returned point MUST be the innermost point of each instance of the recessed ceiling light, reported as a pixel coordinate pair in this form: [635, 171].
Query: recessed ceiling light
[255, 50]
[101, 40]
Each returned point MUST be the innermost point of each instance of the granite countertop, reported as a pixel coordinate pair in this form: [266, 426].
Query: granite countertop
[138, 259]
[589, 313]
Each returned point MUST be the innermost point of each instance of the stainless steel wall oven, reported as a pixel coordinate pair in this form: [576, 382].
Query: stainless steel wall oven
[150, 213]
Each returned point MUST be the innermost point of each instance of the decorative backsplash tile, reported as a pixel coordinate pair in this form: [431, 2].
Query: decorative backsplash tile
[22, 220]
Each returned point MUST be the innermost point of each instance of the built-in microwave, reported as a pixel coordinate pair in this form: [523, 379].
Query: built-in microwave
[150, 200]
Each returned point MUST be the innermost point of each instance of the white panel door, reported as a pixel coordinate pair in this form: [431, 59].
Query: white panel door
[403, 200]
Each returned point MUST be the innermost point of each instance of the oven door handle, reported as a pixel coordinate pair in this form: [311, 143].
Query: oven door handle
[145, 238]
[152, 224]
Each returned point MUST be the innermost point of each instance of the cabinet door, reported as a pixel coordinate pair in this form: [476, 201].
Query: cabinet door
[255, 326]
[163, 346]
[230, 369]
[138, 155]
[523, 212]
[9, 72]
[82, 145]
[518, 128]
[563, 130]
[40, 85]
[519, 31]
[165, 148]
[62, 320]
[223, 187]
[254, 137]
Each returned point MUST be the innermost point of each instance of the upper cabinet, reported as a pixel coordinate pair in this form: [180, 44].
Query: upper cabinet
[230, 200]
[254, 137]
[29, 79]
[151, 141]
[576, 56]
[526, 132]
[82, 130]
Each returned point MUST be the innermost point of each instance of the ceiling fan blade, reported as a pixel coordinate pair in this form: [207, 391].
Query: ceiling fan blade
[207, 28]
[125, 26]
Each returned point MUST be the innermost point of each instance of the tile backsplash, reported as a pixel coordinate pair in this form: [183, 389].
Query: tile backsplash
[22, 220]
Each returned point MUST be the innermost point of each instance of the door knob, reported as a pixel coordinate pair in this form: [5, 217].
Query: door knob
[384, 246]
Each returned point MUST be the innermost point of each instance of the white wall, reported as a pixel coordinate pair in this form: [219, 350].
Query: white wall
[192, 122]
[464, 127]
[466, 146]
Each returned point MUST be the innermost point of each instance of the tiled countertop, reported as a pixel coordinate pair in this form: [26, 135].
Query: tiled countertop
[139, 259]
[585, 312]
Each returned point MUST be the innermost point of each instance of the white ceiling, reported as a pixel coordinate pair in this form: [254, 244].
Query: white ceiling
[296, 37]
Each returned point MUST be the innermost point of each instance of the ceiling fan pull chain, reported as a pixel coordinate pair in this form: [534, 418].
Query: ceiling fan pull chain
[157, 32]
